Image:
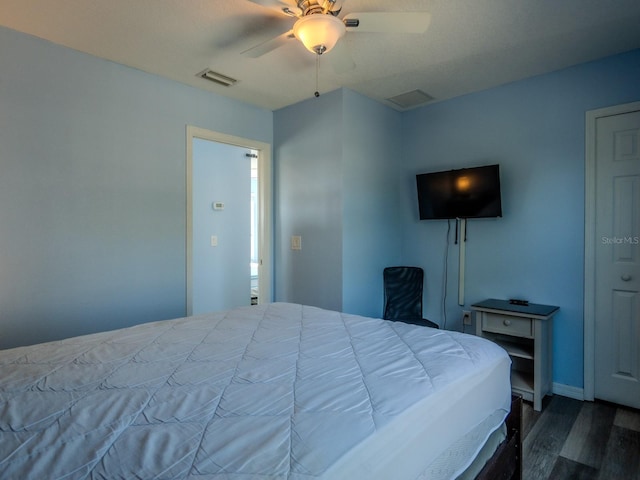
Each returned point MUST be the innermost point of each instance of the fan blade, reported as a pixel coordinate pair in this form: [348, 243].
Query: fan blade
[389, 22]
[340, 58]
[269, 45]
[283, 6]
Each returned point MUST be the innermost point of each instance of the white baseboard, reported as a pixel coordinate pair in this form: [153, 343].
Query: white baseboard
[568, 391]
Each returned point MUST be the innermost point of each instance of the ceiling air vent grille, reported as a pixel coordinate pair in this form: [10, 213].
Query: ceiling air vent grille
[410, 99]
[216, 77]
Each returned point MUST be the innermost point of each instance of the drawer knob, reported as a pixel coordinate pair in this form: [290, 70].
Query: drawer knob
[506, 322]
[626, 277]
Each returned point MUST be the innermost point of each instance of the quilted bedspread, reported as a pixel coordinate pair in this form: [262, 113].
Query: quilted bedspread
[278, 391]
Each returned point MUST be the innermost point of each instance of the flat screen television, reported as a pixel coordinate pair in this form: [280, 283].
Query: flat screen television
[464, 193]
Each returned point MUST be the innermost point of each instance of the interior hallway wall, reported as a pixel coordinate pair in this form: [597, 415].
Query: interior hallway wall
[92, 189]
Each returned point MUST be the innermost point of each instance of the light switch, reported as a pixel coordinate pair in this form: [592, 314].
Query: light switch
[214, 240]
[296, 242]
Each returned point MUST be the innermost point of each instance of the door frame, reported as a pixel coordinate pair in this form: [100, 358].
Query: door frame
[265, 230]
[590, 242]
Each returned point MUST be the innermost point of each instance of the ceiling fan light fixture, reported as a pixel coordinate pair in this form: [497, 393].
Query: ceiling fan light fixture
[319, 33]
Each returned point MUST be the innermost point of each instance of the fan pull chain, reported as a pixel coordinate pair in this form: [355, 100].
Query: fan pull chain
[317, 92]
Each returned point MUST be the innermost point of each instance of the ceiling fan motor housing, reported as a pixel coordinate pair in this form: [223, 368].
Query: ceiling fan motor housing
[310, 7]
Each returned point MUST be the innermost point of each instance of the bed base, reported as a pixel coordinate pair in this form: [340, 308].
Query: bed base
[506, 462]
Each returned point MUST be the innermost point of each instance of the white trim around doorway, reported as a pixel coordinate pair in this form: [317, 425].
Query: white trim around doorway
[265, 205]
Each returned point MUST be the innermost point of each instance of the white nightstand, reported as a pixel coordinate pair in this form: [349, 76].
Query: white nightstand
[525, 332]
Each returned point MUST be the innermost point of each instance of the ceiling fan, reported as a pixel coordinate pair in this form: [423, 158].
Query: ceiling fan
[318, 27]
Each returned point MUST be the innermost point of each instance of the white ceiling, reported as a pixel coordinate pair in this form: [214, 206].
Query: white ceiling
[470, 45]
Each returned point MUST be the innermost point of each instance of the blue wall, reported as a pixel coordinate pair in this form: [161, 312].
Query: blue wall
[372, 238]
[535, 130]
[308, 190]
[92, 189]
[337, 165]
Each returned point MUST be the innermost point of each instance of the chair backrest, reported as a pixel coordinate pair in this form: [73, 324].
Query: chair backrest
[403, 293]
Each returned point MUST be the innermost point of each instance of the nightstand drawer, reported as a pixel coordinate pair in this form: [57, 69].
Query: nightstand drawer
[507, 324]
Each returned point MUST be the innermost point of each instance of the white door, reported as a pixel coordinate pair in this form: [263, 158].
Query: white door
[221, 242]
[220, 201]
[617, 258]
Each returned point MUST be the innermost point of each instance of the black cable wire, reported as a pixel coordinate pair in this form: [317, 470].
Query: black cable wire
[456, 241]
[445, 274]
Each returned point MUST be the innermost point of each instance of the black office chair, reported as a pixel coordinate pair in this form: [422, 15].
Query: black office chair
[403, 295]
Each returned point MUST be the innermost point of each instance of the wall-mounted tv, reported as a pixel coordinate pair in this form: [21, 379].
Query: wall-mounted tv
[464, 193]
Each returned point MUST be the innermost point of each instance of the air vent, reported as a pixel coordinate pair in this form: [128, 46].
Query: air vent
[410, 99]
[216, 77]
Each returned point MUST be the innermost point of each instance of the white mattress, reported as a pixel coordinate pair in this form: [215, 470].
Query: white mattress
[276, 391]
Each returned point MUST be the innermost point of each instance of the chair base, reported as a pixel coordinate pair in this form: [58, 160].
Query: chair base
[418, 321]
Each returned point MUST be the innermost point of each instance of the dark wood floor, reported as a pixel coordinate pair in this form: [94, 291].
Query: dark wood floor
[578, 440]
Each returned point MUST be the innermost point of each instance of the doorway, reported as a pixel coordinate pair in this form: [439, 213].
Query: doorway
[219, 273]
[612, 255]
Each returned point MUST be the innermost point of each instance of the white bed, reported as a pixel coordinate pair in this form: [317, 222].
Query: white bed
[277, 391]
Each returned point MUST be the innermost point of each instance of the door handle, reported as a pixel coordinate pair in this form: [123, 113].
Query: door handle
[626, 277]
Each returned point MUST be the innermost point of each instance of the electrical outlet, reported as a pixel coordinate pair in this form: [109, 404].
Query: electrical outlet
[466, 317]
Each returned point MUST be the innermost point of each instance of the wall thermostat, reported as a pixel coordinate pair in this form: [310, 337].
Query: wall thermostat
[218, 205]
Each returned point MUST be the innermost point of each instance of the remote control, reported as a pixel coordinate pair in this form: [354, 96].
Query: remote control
[515, 301]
